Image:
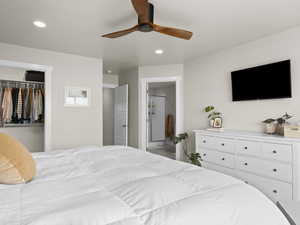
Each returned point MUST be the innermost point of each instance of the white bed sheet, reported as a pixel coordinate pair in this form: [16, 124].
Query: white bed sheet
[124, 186]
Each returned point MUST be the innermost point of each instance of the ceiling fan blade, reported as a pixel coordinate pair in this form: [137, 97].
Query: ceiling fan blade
[121, 33]
[142, 9]
[183, 34]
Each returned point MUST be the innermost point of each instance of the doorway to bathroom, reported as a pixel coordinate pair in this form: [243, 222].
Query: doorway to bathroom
[161, 121]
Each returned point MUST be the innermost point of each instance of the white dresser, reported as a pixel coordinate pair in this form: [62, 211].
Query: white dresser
[267, 162]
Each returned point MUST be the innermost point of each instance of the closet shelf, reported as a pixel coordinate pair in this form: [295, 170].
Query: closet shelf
[11, 125]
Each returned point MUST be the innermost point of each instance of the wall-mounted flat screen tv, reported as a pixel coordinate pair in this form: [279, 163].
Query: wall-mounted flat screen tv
[270, 81]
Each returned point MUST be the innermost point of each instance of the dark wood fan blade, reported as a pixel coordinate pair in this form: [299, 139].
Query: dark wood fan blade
[142, 9]
[183, 34]
[121, 33]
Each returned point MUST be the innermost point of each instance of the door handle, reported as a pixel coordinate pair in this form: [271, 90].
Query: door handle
[124, 126]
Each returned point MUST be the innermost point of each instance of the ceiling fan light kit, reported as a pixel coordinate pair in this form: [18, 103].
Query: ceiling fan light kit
[145, 12]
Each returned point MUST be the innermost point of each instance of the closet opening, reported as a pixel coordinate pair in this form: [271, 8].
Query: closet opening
[23, 101]
[161, 122]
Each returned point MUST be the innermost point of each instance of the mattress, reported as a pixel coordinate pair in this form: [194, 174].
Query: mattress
[125, 186]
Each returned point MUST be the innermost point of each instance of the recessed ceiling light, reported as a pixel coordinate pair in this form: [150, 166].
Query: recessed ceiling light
[39, 24]
[159, 51]
[109, 71]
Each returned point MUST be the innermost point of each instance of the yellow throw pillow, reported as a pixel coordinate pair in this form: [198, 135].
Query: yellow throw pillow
[16, 163]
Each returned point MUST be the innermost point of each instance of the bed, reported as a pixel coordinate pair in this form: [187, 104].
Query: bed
[124, 186]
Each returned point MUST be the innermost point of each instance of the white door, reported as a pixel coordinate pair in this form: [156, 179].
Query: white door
[157, 115]
[121, 116]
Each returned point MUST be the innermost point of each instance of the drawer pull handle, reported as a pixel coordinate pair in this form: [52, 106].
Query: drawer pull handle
[223, 159]
[275, 191]
[204, 154]
[223, 144]
[275, 170]
[246, 148]
[274, 152]
[246, 164]
[204, 141]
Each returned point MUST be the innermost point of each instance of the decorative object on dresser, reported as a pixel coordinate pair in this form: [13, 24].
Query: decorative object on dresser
[281, 122]
[270, 126]
[292, 131]
[266, 162]
[276, 126]
[194, 158]
[291, 211]
[215, 117]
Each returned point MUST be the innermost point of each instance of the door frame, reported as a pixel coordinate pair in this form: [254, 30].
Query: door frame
[48, 95]
[143, 110]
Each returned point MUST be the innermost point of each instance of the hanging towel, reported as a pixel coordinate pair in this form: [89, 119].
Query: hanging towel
[170, 126]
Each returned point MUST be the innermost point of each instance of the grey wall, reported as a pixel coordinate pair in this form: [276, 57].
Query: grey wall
[132, 79]
[108, 116]
[208, 83]
[70, 126]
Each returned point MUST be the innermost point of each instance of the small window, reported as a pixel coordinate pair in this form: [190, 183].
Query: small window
[77, 97]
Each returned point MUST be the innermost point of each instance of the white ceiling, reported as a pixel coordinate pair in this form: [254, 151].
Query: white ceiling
[75, 26]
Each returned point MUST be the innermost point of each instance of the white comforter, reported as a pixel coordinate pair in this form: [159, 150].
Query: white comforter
[125, 186]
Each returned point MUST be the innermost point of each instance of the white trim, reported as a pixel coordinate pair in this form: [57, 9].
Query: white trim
[109, 85]
[143, 109]
[48, 94]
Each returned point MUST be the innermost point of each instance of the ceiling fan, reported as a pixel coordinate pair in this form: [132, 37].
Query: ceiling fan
[145, 12]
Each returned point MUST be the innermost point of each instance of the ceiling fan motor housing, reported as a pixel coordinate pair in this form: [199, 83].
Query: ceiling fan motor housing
[146, 27]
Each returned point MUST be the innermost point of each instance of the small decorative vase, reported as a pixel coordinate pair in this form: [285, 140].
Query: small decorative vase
[270, 128]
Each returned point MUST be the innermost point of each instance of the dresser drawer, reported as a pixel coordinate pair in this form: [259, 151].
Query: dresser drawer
[278, 152]
[204, 141]
[278, 171]
[248, 148]
[225, 145]
[222, 159]
[275, 190]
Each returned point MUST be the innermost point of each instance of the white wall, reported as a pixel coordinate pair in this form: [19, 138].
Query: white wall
[172, 70]
[208, 83]
[70, 126]
[131, 78]
[31, 137]
[111, 79]
[7, 73]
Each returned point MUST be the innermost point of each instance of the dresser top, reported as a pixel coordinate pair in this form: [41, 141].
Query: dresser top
[247, 134]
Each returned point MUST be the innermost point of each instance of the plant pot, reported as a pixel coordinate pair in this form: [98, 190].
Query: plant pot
[270, 128]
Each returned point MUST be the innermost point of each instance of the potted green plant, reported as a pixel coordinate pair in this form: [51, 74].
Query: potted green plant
[270, 126]
[281, 122]
[194, 158]
[215, 117]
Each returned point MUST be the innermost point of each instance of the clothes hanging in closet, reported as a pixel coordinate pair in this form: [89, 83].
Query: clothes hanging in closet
[7, 105]
[22, 105]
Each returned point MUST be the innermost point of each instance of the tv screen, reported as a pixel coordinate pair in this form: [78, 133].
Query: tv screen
[262, 82]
